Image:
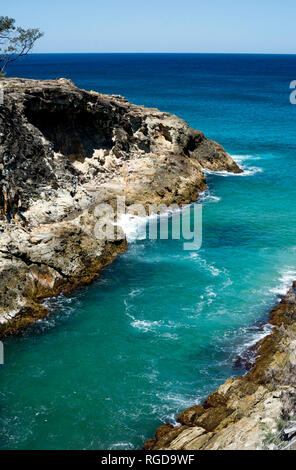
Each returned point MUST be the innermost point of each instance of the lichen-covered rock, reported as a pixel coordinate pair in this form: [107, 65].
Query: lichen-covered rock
[64, 150]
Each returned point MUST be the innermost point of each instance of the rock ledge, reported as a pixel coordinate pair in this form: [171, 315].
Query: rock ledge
[64, 150]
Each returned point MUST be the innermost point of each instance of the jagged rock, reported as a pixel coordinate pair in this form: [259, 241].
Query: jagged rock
[64, 150]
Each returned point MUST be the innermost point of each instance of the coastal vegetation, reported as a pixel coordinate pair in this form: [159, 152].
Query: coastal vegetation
[15, 41]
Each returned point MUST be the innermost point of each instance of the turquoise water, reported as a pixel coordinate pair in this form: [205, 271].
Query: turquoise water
[162, 327]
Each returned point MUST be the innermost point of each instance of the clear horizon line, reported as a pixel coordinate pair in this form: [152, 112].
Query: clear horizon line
[197, 53]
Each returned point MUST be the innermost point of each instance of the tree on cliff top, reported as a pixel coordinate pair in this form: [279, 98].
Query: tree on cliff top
[15, 41]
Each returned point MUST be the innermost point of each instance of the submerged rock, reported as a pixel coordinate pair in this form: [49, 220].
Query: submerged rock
[64, 150]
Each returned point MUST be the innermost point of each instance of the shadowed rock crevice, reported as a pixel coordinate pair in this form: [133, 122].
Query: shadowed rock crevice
[73, 132]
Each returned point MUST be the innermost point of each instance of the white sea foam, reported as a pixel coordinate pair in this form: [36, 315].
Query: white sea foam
[228, 281]
[251, 170]
[256, 336]
[247, 171]
[284, 282]
[145, 325]
[203, 263]
[206, 196]
[62, 305]
[156, 327]
[251, 337]
[122, 445]
[135, 292]
[133, 226]
[171, 402]
[239, 159]
[210, 294]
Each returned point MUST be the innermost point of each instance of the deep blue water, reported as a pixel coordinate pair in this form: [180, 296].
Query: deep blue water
[162, 327]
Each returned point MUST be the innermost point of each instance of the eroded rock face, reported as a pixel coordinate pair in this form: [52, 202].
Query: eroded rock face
[63, 151]
[244, 411]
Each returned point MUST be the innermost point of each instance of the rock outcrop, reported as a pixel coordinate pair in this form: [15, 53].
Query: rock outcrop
[247, 412]
[64, 150]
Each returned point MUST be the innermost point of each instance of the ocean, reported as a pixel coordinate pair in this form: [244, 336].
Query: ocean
[163, 327]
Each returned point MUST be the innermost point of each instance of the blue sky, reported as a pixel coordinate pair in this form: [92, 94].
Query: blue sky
[266, 26]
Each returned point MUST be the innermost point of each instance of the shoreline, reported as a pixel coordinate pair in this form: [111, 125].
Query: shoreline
[243, 411]
[148, 157]
[84, 149]
[26, 318]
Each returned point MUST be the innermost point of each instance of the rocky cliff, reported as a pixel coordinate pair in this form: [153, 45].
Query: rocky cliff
[256, 411]
[63, 151]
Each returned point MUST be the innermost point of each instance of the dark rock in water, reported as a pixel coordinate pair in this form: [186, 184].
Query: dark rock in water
[247, 358]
